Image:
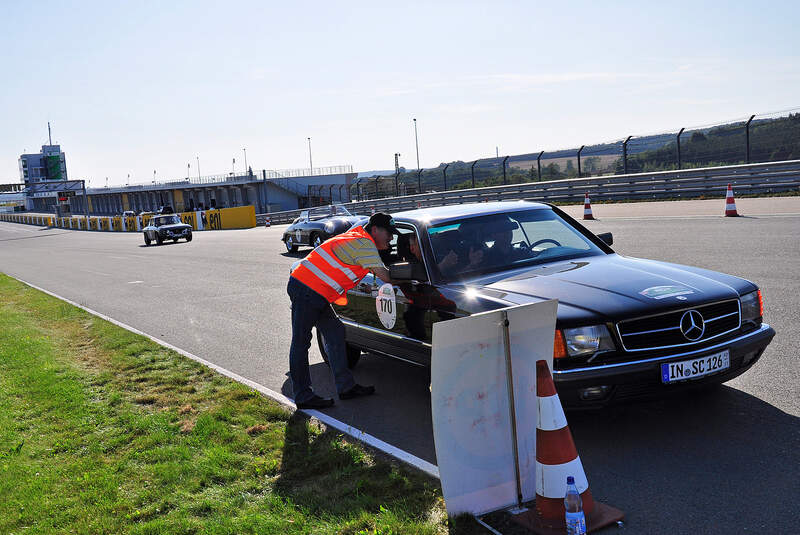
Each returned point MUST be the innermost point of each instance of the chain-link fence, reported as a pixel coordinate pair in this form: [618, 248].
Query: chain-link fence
[754, 139]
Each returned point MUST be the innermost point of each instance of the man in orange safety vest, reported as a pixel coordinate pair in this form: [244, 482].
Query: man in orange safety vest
[324, 277]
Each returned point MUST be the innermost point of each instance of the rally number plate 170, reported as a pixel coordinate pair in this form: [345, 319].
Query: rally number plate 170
[692, 369]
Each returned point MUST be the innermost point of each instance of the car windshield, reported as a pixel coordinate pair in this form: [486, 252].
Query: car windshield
[333, 210]
[498, 242]
[167, 220]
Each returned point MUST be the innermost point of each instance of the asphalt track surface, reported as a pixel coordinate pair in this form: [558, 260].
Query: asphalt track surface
[726, 461]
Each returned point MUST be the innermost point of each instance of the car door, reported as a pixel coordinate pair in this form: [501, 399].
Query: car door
[389, 319]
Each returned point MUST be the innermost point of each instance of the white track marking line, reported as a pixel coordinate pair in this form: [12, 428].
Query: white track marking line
[135, 282]
[402, 455]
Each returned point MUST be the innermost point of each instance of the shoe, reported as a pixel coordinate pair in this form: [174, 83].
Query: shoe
[357, 391]
[316, 403]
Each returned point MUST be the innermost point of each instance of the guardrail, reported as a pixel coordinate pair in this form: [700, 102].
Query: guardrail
[773, 177]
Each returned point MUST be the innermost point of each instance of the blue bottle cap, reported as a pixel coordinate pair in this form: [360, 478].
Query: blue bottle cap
[570, 480]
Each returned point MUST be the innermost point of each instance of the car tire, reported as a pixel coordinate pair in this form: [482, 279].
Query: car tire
[146, 240]
[353, 353]
[290, 245]
[159, 241]
[316, 240]
[189, 237]
[174, 240]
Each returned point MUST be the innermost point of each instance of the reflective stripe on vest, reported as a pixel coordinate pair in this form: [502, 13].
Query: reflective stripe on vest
[324, 273]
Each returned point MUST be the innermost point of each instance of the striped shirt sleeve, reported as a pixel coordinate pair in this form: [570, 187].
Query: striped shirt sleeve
[359, 252]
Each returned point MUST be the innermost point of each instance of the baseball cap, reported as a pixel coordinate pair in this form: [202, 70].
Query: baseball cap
[380, 219]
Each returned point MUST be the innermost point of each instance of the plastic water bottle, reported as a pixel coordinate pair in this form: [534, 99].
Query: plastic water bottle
[573, 505]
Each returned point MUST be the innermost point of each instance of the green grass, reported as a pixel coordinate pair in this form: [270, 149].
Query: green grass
[104, 431]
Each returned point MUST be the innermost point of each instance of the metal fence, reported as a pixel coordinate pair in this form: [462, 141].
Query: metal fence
[775, 177]
[756, 138]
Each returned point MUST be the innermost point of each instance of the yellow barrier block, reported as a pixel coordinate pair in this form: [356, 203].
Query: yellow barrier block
[116, 224]
[130, 224]
[190, 218]
[238, 217]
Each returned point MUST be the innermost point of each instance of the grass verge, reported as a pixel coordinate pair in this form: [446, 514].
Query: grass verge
[104, 431]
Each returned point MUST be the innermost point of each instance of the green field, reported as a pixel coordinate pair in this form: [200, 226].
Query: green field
[104, 431]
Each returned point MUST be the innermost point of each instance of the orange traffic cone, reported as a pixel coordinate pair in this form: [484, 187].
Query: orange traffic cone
[587, 208]
[372, 211]
[267, 222]
[419, 204]
[730, 204]
[557, 458]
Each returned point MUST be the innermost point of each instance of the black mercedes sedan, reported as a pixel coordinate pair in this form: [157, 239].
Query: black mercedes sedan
[166, 227]
[317, 225]
[626, 327]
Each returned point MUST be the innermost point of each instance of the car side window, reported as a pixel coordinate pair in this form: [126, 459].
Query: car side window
[406, 246]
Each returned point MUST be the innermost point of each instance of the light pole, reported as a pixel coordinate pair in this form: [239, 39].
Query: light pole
[233, 167]
[188, 170]
[154, 176]
[416, 141]
[396, 173]
[128, 182]
[198, 167]
[310, 163]
[245, 160]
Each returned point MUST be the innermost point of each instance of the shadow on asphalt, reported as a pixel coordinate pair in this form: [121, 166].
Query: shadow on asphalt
[717, 460]
[296, 254]
[720, 458]
[144, 246]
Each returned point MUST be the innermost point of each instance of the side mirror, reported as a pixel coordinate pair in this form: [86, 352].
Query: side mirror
[606, 238]
[408, 271]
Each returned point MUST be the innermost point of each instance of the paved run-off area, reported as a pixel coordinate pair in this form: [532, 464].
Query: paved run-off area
[713, 460]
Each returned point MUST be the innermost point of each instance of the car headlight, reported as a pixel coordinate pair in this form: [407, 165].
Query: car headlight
[588, 340]
[752, 306]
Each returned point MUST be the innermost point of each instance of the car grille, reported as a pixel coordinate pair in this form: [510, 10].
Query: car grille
[664, 330]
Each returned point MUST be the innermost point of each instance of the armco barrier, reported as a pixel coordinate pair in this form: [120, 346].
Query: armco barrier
[773, 177]
[239, 217]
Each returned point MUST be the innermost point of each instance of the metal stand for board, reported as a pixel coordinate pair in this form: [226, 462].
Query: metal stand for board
[519, 508]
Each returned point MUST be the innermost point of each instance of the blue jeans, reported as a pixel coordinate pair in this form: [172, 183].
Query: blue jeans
[310, 309]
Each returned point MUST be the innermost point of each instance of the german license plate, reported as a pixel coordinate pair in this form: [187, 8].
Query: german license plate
[692, 369]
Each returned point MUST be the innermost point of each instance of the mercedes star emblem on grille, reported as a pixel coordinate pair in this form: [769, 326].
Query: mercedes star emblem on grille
[692, 325]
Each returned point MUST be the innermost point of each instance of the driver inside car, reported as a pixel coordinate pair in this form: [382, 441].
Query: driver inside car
[502, 252]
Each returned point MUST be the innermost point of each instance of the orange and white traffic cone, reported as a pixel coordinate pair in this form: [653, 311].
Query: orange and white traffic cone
[730, 204]
[372, 211]
[556, 459]
[556, 456]
[419, 204]
[267, 222]
[587, 208]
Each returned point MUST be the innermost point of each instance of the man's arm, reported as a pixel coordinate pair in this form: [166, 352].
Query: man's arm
[383, 274]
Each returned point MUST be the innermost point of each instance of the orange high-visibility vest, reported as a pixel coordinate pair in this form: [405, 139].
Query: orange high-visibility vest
[324, 273]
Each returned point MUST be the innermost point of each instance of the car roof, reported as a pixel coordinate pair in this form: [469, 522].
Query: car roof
[441, 214]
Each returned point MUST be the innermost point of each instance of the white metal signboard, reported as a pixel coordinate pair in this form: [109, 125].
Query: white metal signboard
[481, 468]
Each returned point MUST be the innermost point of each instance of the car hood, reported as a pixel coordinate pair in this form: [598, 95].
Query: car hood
[174, 227]
[612, 287]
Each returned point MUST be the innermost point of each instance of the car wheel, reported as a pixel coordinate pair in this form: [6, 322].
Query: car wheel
[353, 353]
[316, 241]
[158, 239]
[290, 246]
[189, 237]
[146, 240]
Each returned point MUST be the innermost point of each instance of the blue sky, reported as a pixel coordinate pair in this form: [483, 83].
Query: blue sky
[132, 87]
